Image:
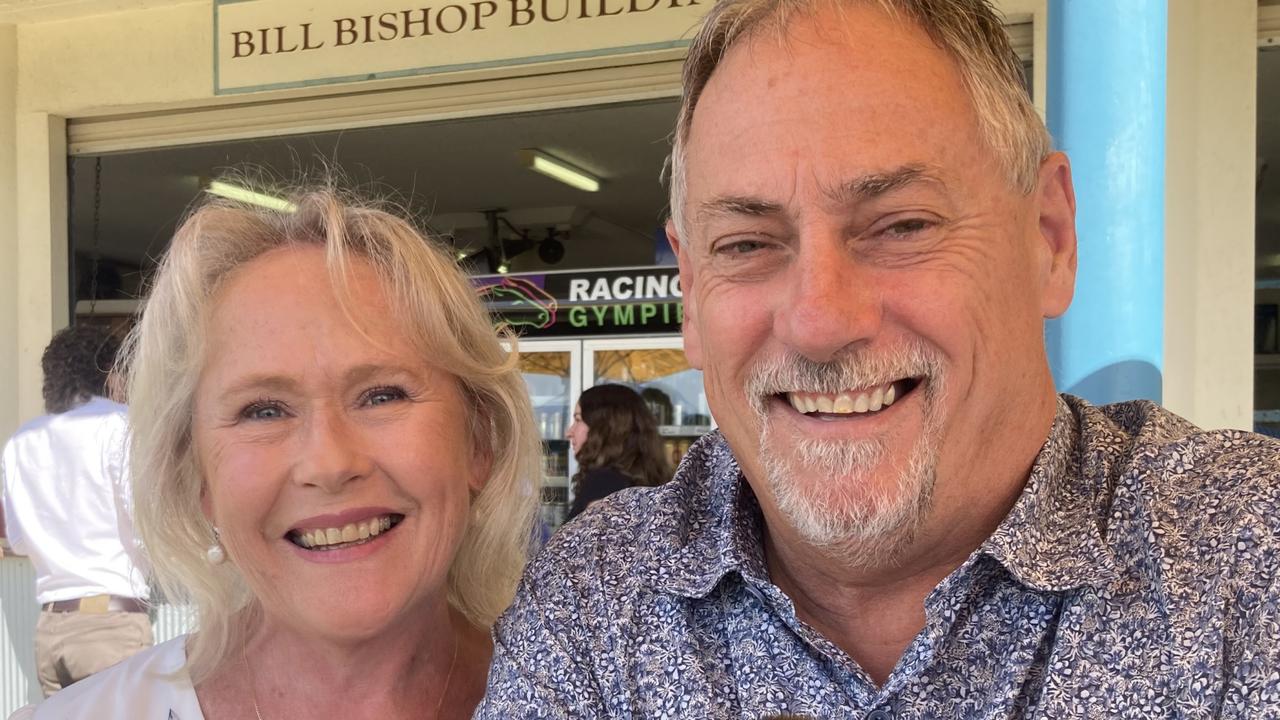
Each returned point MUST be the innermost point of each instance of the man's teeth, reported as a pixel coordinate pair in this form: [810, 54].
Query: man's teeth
[352, 532]
[844, 403]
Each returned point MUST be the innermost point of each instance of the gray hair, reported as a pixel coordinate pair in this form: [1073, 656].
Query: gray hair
[442, 316]
[970, 31]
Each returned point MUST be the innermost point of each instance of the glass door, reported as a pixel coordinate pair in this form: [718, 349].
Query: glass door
[659, 371]
[551, 373]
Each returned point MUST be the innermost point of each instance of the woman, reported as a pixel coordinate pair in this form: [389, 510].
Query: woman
[334, 462]
[615, 440]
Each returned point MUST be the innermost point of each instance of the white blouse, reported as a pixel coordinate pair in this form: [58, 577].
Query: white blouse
[151, 685]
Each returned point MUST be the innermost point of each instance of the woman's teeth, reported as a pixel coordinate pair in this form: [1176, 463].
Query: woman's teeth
[350, 533]
[847, 403]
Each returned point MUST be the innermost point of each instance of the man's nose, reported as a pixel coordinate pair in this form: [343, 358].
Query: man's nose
[333, 452]
[833, 303]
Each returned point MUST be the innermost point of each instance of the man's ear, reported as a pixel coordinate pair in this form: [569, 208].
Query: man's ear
[1056, 224]
[688, 328]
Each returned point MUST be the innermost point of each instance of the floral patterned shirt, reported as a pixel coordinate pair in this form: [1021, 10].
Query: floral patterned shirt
[1135, 577]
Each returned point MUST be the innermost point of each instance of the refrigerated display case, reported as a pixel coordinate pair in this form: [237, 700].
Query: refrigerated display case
[659, 371]
[552, 373]
[581, 328]
[557, 371]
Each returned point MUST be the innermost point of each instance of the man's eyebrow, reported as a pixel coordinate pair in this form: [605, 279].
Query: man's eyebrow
[873, 185]
[737, 205]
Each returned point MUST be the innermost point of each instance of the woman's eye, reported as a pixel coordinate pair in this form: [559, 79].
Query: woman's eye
[384, 395]
[262, 410]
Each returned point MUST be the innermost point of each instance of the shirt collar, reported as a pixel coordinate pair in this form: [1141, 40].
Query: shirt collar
[1051, 540]
[1053, 537]
[719, 527]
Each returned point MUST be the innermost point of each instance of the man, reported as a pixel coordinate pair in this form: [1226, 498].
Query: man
[66, 507]
[899, 516]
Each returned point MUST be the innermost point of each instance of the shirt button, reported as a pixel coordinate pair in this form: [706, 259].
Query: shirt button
[880, 715]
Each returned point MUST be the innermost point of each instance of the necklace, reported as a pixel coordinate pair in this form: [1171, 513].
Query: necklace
[253, 687]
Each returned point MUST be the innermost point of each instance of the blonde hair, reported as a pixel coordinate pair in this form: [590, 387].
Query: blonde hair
[970, 31]
[442, 316]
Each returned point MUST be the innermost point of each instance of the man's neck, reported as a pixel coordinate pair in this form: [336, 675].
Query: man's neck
[874, 611]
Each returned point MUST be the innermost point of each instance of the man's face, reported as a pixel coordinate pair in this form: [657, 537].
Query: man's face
[864, 289]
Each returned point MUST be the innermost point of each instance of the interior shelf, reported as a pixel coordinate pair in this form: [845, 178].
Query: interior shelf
[683, 430]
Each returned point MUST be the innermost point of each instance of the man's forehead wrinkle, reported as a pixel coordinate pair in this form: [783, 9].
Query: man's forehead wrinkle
[875, 184]
[737, 205]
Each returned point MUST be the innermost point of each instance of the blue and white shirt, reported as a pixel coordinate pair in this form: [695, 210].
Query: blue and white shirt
[1135, 577]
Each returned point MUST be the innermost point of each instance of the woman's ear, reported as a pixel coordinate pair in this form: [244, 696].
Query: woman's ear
[482, 467]
[206, 504]
[481, 454]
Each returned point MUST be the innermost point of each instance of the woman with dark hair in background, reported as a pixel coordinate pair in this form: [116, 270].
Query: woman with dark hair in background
[615, 438]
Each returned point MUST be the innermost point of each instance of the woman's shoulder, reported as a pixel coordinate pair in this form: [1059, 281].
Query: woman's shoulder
[609, 475]
[152, 684]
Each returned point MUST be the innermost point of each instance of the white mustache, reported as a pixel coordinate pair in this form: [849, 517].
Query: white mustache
[858, 368]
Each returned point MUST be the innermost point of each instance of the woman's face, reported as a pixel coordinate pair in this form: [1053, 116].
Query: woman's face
[577, 432]
[337, 463]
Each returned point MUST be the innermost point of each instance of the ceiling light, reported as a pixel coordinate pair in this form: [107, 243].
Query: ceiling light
[539, 161]
[503, 268]
[235, 192]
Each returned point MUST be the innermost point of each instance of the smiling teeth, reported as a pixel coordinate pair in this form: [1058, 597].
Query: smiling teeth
[352, 532]
[844, 403]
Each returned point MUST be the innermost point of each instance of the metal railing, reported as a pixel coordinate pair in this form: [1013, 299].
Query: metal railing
[18, 613]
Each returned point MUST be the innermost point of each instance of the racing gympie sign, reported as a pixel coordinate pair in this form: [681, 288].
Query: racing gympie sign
[609, 302]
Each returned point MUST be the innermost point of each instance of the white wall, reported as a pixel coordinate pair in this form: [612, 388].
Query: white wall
[131, 61]
[1209, 211]
[9, 416]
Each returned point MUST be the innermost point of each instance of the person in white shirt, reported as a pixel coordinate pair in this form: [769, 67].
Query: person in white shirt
[66, 507]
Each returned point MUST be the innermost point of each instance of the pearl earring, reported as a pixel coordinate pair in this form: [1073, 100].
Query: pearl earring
[215, 554]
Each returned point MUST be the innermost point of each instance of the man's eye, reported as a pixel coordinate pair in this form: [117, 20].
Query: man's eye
[740, 247]
[262, 410]
[906, 227]
[384, 395]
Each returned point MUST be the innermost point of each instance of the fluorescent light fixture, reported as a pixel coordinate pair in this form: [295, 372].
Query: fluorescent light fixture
[235, 192]
[539, 161]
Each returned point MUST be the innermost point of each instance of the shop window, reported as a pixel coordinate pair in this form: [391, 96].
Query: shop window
[469, 181]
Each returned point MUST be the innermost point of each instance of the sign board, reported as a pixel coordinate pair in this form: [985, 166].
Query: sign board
[611, 302]
[272, 44]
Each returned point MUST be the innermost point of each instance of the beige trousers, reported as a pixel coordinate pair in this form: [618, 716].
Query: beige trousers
[71, 646]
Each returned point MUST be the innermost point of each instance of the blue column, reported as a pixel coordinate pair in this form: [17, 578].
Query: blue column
[1106, 109]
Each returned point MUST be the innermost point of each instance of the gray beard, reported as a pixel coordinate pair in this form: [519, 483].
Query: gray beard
[817, 487]
[820, 486]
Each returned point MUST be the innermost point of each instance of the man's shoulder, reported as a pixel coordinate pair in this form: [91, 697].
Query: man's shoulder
[95, 411]
[629, 528]
[1210, 493]
[634, 536]
[34, 426]
[98, 409]
[1164, 451]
